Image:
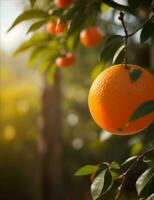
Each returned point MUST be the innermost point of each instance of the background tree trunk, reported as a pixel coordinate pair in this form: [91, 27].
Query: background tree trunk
[50, 141]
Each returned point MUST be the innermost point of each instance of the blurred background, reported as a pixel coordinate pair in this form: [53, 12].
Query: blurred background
[76, 139]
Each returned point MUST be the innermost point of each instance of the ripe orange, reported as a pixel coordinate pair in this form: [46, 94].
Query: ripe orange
[52, 27]
[65, 61]
[90, 37]
[62, 3]
[113, 98]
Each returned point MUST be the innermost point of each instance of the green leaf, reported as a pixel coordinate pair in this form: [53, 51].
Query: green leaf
[35, 54]
[117, 53]
[135, 4]
[35, 40]
[36, 26]
[32, 2]
[77, 23]
[97, 70]
[72, 41]
[108, 183]
[134, 74]
[44, 66]
[110, 47]
[151, 197]
[129, 160]
[147, 31]
[150, 69]
[149, 159]
[27, 15]
[144, 109]
[117, 6]
[115, 165]
[149, 162]
[97, 185]
[144, 179]
[55, 12]
[85, 170]
[67, 15]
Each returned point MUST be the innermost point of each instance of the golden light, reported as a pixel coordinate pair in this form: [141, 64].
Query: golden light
[9, 132]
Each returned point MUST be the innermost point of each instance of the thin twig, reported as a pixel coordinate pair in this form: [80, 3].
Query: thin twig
[126, 36]
[140, 27]
[121, 18]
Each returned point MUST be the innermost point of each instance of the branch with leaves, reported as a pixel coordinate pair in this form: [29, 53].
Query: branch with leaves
[101, 174]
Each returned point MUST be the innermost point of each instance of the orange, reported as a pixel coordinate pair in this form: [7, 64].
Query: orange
[66, 60]
[113, 97]
[90, 37]
[62, 3]
[52, 27]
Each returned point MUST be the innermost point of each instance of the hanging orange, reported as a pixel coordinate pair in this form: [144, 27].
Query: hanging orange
[55, 29]
[90, 37]
[65, 61]
[62, 3]
[113, 97]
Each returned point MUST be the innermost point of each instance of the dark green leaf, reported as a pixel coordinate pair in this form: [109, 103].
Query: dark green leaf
[151, 197]
[108, 183]
[129, 160]
[144, 109]
[115, 165]
[117, 53]
[36, 26]
[72, 41]
[146, 3]
[149, 159]
[147, 32]
[97, 185]
[67, 15]
[134, 74]
[149, 162]
[85, 170]
[110, 47]
[151, 70]
[117, 6]
[144, 179]
[135, 3]
[76, 23]
[27, 15]
[55, 12]
[114, 174]
[32, 2]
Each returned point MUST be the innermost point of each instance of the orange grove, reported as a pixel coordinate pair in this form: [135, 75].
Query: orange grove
[113, 97]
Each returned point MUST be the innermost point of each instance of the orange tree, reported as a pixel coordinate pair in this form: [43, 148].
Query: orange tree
[121, 99]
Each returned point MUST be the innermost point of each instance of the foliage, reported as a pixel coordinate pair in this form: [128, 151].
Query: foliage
[118, 173]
